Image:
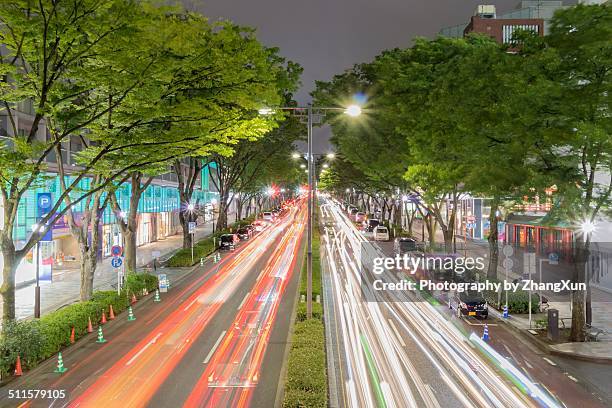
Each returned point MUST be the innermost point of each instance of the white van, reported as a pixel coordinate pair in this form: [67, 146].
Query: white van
[381, 233]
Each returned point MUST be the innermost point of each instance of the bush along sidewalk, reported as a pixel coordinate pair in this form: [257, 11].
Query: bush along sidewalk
[306, 381]
[204, 247]
[36, 340]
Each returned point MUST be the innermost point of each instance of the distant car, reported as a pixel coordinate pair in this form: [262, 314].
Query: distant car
[470, 303]
[370, 224]
[259, 225]
[353, 211]
[403, 245]
[250, 228]
[268, 216]
[381, 233]
[243, 233]
[360, 217]
[228, 241]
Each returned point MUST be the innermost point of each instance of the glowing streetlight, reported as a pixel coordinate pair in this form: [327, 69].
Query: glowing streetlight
[325, 165]
[303, 165]
[353, 110]
[265, 111]
[296, 155]
[331, 156]
[190, 207]
[588, 227]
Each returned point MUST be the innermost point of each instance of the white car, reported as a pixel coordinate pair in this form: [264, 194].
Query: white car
[381, 233]
[268, 216]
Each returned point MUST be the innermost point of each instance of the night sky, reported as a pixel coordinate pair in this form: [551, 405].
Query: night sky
[329, 36]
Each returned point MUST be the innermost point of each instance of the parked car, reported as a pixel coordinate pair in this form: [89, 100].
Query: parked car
[228, 241]
[259, 225]
[403, 245]
[268, 216]
[381, 233]
[370, 224]
[250, 228]
[470, 303]
[352, 211]
[243, 233]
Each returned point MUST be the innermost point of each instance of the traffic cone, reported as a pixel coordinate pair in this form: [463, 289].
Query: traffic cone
[111, 312]
[157, 298]
[130, 314]
[18, 371]
[72, 336]
[103, 317]
[60, 364]
[89, 327]
[485, 333]
[506, 315]
[134, 298]
[101, 338]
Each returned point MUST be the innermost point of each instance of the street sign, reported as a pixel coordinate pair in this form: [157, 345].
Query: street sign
[191, 227]
[116, 250]
[553, 258]
[508, 250]
[155, 254]
[508, 264]
[116, 262]
[162, 278]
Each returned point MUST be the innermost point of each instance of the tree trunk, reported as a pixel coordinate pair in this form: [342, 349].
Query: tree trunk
[88, 268]
[129, 252]
[578, 309]
[7, 290]
[493, 240]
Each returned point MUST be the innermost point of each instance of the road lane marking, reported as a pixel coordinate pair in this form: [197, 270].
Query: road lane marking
[189, 305]
[552, 363]
[153, 340]
[243, 300]
[397, 333]
[571, 377]
[214, 348]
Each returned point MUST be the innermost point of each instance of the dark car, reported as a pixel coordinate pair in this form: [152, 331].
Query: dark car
[403, 245]
[228, 241]
[471, 303]
[250, 228]
[371, 224]
[243, 233]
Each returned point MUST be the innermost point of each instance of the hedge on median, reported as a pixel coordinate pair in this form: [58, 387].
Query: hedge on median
[306, 384]
[518, 302]
[38, 339]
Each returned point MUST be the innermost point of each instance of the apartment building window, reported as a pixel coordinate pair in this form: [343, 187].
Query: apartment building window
[508, 31]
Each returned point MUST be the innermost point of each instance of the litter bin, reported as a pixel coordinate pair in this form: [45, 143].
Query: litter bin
[553, 324]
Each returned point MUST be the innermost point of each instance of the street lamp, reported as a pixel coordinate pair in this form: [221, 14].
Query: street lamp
[213, 202]
[353, 111]
[331, 156]
[303, 166]
[325, 165]
[296, 155]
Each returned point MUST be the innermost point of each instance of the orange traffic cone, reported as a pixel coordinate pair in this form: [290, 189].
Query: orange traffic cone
[72, 336]
[103, 317]
[111, 313]
[89, 328]
[18, 371]
[134, 298]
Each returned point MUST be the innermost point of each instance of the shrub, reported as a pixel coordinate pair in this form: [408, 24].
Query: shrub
[306, 384]
[36, 340]
[23, 338]
[518, 302]
[317, 311]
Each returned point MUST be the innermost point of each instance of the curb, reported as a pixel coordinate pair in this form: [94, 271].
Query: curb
[547, 348]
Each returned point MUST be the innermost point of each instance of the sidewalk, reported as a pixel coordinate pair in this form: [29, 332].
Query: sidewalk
[66, 284]
[601, 305]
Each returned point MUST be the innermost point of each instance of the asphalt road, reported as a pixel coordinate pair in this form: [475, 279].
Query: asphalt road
[177, 351]
[405, 350]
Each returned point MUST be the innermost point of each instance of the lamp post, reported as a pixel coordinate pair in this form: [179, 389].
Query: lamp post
[353, 111]
[190, 208]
